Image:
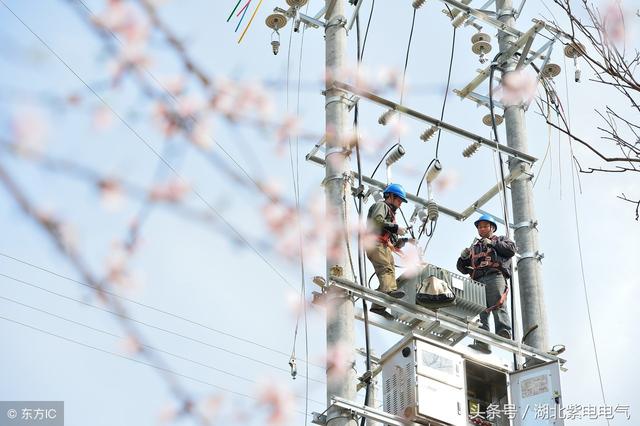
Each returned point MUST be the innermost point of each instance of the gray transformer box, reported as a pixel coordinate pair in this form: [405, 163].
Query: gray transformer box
[432, 384]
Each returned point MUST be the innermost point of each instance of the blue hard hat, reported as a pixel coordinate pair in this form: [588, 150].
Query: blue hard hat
[486, 218]
[397, 190]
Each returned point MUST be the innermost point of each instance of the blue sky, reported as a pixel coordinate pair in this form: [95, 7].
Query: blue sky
[193, 268]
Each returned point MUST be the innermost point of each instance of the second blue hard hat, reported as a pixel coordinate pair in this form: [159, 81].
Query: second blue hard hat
[487, 218]
[396, 189]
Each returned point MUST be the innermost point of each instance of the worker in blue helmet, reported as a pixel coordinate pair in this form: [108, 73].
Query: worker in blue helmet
[381, 224]
[488, 260]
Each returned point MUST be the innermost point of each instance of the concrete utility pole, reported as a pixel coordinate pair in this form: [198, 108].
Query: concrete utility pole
[340, 306]
[526, 234]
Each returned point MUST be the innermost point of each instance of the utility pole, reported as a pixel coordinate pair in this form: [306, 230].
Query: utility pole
[340, 305]
[526, 233]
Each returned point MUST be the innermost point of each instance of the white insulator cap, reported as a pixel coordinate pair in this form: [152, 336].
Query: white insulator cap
[433, 171]
[395, 155]
[428, 134]
[386, 116]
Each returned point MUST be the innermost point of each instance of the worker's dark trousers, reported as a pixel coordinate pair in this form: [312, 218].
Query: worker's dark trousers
[494, 285]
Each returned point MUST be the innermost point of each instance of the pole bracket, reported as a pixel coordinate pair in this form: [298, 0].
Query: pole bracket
[533, 224]
[349, 101]
[531, 255]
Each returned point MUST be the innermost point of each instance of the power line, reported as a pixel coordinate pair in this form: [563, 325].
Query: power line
[153, 308]
[166, 370]
[174, 333]
[152, 149]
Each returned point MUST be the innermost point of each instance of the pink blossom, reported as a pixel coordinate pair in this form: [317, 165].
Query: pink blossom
[131, 345]
[111, 194]
[29, 131]
[613, 22]
[172, 191]
[102, 118]
[210, 406]
[411, 259]
[201, 133]
[167, 414]
[340, 359]
[517, 87]
[447, 180]
[278, 400]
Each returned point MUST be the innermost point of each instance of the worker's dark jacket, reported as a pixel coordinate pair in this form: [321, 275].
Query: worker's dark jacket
[381, 221]
[485, 259]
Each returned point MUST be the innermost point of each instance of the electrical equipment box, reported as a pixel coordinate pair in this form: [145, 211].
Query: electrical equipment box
[429, 383]
[470, 294]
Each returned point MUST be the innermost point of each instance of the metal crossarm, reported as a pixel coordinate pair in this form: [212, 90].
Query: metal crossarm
[445, 321]
[461, 216]
[433, 121]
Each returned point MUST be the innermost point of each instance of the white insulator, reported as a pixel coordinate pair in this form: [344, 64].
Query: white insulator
[395, 155]
[432, 210]
[417, 4]
[386, 116]
[433, 171]
[578, 71]
[377, 196]
[470, 150]
[423, 215]
[428, 134]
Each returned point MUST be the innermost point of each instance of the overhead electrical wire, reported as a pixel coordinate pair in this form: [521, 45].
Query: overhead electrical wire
[138, 361]
[153, 308]
[362, 265]
[150, 147]
[295, 174]
[146, 324]
[574, 173]
[444, 105]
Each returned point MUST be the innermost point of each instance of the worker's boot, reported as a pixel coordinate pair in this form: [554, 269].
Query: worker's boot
[396, 294]
[504, 333]
[381, 310]
[480, 347]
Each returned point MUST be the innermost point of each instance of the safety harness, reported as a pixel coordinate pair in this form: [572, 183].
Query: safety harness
[486, 259]
[385, 236]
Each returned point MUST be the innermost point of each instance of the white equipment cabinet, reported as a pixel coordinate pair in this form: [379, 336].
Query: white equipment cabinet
[432, 384]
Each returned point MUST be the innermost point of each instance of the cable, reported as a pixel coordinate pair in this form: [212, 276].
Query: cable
[297, 198]
[119, 315]
[366, 31]
[382, 159]
[574, 172]
[362, 271]
[444, 105]
[153, 308]
[406, 57]
[166, 370]
[446, 93]
[152, 149]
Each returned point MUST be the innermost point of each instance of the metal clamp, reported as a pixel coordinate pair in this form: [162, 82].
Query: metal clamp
[533, 224]
[531, 255]
[337, 150]
[337, 21]
[349, 101]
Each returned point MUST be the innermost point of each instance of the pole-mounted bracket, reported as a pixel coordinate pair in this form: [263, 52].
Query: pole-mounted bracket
[533, 224]
[530, 255]
[343, 176]
[343, 98]
[318, 418]
[336, 21]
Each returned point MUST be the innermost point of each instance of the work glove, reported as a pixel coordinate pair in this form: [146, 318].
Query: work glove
[465, 253]
[401, 230]
[487, 241]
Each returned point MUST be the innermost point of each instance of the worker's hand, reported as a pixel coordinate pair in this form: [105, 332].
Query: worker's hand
[487, 241]
[465, 253]
[401, 230]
